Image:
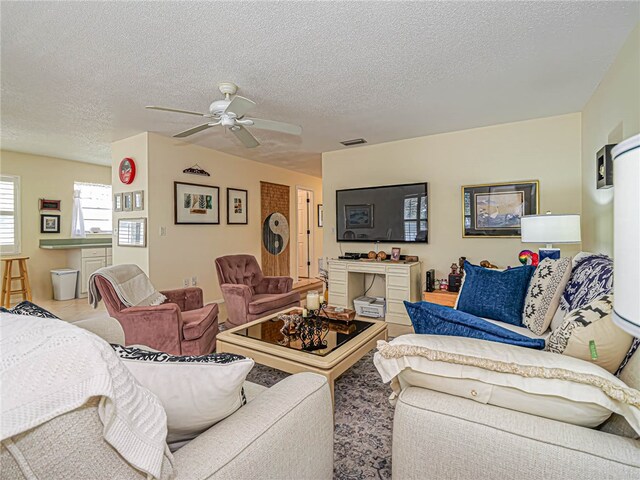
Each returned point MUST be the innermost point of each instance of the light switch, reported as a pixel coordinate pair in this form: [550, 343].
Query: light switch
[163, 231]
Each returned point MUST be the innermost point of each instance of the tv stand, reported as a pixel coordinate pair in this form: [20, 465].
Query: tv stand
[402, 282]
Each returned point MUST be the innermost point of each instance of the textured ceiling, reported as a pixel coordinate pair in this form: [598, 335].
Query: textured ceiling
[76, 76]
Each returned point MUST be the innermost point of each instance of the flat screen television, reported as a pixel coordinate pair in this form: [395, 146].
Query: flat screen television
[391, 213]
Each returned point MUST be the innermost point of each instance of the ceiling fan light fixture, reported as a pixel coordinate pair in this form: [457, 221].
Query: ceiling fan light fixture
[355, 141]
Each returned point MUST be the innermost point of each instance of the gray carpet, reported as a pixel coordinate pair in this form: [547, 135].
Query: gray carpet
[363, 416]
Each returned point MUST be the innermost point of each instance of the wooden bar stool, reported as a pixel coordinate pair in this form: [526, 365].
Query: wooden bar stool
[7, 280]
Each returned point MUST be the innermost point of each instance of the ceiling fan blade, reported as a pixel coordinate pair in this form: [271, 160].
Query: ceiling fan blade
[240, 106]
[176, 110]
[193, 130]
[245, 137]
[275, 126]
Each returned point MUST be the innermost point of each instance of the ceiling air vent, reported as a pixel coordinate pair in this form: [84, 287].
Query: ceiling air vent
[355, 141]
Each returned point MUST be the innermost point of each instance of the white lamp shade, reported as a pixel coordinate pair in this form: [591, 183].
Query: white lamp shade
[626, 235]
[550, 228]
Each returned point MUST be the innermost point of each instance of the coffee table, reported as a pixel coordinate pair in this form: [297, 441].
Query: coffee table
[263, 341]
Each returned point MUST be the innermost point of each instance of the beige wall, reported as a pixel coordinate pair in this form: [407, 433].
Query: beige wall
[546, 149]
[190, 250]
[136, 148]
[611, 115]
[51, 178]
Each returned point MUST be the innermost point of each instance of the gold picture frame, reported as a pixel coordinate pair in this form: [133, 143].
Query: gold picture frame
[492, 210]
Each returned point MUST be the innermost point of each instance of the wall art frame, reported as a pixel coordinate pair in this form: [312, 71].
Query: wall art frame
[45, 204]
[117, 202]
[494, 209]
[132, 232]
[138, 200]
[49, 223]
[196, 204]
[237, 206]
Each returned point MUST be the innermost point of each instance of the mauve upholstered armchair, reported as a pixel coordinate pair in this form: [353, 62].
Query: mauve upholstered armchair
[182, 325]
[248, 294]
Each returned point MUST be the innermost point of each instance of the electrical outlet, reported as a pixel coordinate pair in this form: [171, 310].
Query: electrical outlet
[194, 281]
[185, 282]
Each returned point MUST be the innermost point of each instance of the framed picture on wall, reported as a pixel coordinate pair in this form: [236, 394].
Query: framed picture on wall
[196, 204]
[132, 232]
[45, 204]
[49, 223]
[138, 200]
[127, 201]
[237, 206]
[117, 202]
[495, 210]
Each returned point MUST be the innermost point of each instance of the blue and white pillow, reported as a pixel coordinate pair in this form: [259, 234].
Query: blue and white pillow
[591, 278]
[31, 309]
[196, 391]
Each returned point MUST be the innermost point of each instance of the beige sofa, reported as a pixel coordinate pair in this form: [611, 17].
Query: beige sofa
[283, 432]
[436, 436]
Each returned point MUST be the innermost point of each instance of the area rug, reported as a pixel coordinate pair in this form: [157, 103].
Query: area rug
[363, 416]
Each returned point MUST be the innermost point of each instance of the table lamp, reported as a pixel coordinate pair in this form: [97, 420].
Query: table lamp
[550, 229]
[626, 235]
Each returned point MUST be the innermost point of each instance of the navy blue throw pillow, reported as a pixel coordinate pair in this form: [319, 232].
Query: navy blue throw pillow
[495, 294]
[433, 319]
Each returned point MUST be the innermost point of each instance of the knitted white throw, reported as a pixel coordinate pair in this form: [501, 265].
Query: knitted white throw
[130, 283]
[49, 367]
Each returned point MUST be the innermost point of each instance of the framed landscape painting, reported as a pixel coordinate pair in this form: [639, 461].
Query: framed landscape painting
[196, 204]
[495, 210]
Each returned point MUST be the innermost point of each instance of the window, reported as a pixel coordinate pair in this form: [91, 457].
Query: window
[96, 206]
[415, 218]
[9, 214]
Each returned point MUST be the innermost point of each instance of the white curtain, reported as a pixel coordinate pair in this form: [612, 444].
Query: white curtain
[77, 220]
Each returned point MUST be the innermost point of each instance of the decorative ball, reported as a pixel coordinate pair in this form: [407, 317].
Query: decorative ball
[371, 254]
[525, 257]
[382, 255]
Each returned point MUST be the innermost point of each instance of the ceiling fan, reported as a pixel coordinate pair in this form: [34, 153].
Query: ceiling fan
[230, 113]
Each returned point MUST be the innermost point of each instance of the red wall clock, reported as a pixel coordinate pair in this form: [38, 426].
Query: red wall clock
[127, 170]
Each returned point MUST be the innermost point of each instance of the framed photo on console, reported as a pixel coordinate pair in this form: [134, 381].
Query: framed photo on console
[495, 210]
[237, 206]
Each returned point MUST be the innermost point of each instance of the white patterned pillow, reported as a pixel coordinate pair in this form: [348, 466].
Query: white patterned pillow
[196, 391]
[590, 334]
[545, 291]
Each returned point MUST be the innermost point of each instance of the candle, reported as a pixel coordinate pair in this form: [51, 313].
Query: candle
[313, 300]
[304, 313]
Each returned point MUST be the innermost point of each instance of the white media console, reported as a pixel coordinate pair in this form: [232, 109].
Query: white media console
[402, 282]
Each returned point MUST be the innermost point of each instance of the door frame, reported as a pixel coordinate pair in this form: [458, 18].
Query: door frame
[312, 227]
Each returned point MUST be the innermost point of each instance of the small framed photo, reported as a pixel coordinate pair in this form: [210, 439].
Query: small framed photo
[127, 201]
[395, 254]
[49, 223]
[237, 206]
[138, 200]
[49, 204]
[320, 215]
[117, 202]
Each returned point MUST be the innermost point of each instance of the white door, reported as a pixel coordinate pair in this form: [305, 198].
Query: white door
[303, 233]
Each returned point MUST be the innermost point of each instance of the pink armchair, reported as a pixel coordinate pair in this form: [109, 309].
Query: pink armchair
[248, 294]
[180, 326]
